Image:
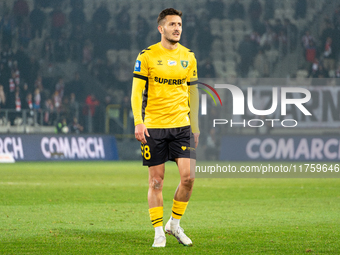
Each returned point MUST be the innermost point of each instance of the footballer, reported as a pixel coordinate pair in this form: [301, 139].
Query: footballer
[164, 85]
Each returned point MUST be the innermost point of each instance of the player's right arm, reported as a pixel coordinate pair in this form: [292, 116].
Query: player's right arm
[140, 78]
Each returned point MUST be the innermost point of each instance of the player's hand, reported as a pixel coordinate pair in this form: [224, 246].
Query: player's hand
[196, 136]
[140, 132]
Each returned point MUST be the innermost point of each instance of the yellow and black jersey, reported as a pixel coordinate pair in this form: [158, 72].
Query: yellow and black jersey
[162, 82]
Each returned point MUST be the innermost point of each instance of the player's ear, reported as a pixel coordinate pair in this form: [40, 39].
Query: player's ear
[160, 29]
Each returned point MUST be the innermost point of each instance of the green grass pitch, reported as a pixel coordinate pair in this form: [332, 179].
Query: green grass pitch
[101, 208]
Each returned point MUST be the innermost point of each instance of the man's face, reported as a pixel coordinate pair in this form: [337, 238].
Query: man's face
[171, 28]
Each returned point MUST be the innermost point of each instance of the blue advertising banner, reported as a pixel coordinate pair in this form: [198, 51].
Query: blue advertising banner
[280, 148]
[59, 147]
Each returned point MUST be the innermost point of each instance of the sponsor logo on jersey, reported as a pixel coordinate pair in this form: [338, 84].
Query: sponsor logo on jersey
[184, 63]
[137, 66]
[159, 62]
[170, 81]
[194, 73]
[172, 62]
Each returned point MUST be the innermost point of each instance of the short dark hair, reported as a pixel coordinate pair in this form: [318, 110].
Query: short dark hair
[166, 12]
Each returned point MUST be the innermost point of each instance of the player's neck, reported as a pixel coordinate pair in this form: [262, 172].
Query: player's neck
[168, 45]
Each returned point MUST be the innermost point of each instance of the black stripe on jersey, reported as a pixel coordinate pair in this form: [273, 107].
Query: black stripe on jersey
[143, 51]
[177, 213]
[192, 83]
[192, 52]
[140, 77]
[145, 97]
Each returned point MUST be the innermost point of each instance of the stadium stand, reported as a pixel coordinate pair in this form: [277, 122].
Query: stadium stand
[76, 37]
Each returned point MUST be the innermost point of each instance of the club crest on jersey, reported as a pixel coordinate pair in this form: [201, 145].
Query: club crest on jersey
[172, 62]
[184, 63]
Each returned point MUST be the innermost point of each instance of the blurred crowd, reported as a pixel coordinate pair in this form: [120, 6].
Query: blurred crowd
[322, 52]
[265, 33]
[68, 35]
[22, 84]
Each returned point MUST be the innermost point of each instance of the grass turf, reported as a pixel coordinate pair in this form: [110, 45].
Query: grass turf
[101, 208]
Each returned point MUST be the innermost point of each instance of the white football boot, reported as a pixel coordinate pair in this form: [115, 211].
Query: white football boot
[177, 232]
[159, 241]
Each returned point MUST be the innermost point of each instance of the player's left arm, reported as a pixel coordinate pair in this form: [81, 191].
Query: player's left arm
[193, 99]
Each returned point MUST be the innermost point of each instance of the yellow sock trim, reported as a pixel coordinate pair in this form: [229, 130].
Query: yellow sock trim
[178, 209]
[156, 216]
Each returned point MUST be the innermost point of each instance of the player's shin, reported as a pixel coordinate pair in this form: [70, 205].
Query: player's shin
[178, 209]
[156, 216]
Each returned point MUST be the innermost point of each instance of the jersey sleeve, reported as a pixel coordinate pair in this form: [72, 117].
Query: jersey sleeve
[193, 95]
[192, 75]
[140, 78]
[141, 65]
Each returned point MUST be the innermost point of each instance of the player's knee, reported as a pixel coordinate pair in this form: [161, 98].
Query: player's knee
[188, 182]
[156, 183]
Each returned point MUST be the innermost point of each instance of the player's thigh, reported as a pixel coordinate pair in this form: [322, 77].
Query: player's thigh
[182, 144]
[155, 151]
